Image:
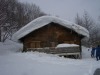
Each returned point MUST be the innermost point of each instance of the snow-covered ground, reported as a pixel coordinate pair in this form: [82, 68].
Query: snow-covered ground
[13, 62]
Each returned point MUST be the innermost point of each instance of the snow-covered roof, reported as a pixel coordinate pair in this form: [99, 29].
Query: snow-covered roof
[44, 20]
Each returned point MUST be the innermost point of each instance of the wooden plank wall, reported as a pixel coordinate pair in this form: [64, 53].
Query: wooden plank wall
[49, 36]
[56, 50]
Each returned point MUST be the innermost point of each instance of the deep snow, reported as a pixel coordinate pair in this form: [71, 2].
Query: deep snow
[13, 62]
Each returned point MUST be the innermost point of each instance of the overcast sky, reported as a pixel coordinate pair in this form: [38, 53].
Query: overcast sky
[67, 9]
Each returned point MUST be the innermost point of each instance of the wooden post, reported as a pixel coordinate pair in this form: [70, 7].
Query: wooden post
[0, 34]
[24, 49]
[80, 50]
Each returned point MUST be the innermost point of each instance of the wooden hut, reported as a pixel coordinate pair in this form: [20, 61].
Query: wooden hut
[48, 31]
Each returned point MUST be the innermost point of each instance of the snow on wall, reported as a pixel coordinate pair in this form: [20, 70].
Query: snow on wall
[44, 20]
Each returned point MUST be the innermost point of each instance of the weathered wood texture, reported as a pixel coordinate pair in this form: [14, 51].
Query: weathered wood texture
[56, 50]
[49, 36]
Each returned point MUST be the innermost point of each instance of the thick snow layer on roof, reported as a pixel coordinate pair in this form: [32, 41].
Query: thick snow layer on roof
[44, 20]
[66, 45]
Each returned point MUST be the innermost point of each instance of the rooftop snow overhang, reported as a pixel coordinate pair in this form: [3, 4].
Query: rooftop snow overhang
[44, 20]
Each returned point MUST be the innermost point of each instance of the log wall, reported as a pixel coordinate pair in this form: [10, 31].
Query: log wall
[50, 36]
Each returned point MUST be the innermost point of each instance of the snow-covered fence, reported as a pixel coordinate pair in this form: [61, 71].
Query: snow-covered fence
[63, 51]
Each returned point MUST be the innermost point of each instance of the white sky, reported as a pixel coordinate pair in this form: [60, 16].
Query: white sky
[68, 9]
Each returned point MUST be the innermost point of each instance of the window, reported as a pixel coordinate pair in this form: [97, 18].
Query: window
[35, 44]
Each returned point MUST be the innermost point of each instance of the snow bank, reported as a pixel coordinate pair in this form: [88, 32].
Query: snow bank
[66, 45]
[44, 20]
[9, 46]
[35, 63]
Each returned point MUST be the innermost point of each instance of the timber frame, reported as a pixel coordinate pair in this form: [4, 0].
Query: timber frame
[50, 36]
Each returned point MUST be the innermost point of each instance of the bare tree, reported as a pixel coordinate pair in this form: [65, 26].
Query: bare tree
[2, 16]
[87, 22]
[78, 20]
[32, 11]
[14, 15]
